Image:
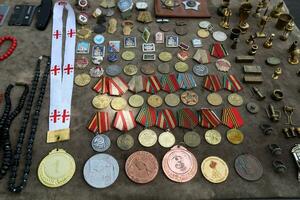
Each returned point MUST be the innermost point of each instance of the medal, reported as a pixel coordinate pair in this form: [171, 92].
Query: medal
[248, 167]
[124, 120]
[152, 85]
[235, 136]
[169, 83]
[136, 101]
[165, 56]
[147, 69]
[82, 79]
[235, 99]
[96, 72]
[117, 86]
[232, 118]
[208, 118]
[214, 169]
[82, 62]
[113, 70]
[191, 139]
[166, 139]
[213, 137]
[200, 70]
[181, 67]
[189, 98]
[137, 83]
[99, 39]
[186, 81]
[166, 119]
[56, 169]
[118, 103]
[212, 83]
[130, 69]
[223, 65]
[101, 86]
[99, 123]
[214, 99]
[172, 100]
[100, 143]
[147, 138]
[125, 142]
[128, 55]
[203, 33]
[231, 83]
[84, 33]
[155, 101]
[163, 68]
[219, 36]
[101, 101]
[187, 118]
[218, 50]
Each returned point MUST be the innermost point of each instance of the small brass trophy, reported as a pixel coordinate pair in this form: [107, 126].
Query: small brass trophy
[225, 21]
[277, 10]
[269, 42]
[245, 11]
[225, 4]
[287, 30]
[259, 7]
[262, 24]
[294, 58]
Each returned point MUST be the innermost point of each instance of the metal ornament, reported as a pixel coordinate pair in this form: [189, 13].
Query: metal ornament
[125, 142]
[100, 143]
[226, 15]
[191, 5]
[248, 167]
[200, 70]
[147, 138]
[214, 169]
[166, 139]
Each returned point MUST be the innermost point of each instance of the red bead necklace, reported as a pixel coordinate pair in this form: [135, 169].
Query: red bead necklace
[11, 48]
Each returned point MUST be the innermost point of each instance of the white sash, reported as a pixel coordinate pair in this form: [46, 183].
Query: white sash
[62, 68]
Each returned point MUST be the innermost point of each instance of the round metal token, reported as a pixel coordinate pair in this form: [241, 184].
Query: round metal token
[113, 70]
[163, 68]
[56, 169]
[223, 65]
[128, 55]
[101, 101]
[235, 99]
[166, 139]
[100, 143]
[130, 69]
[214, 169]
[214, 99]
[181, 67]
[200, 70]
[235, 136]
[172, 99]
[273, 61]
[252, 107]
[147, 69]
[99, 39]
[181, 30]
[82, 79]
[154, 101]
[204, 24]
[141, 167]
[166, 27]
[189, 98]
[118, 103]
[125, 142]
[101, 170]
[136, 101]
[165, 56]
[203, 33]
[213, 137]
[147, 138]
[219, 36]
[82, 62]
[248, 167]
[192, 139]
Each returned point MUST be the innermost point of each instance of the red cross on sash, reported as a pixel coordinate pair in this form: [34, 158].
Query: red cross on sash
[137, 83]
[68, 69]
[212, 83]
[55, 116]
[55, 70]
[124, 120]
[153, 85]
[218, 50]
[187, 118]
[117, 86]
[166, 119]
[71, 33]
[232, 118]
[102, 85]
[56, 34]
[99, 123]
[146, 116]
[169, 83]
[231, 83]
[208, 118]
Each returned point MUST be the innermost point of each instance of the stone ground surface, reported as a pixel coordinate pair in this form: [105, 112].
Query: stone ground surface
[33, 43]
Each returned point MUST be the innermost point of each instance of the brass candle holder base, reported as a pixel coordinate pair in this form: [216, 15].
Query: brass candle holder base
[224, 25]
[244, 27]
[260, 35]
[293, 61]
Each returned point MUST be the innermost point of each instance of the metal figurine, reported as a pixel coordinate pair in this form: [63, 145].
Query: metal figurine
[258, 93]
[245, 11]
[234, 43]
[259, 7]
[288, 111]
[262, 24]
[287, 30]
[293, 46]
[251, 39]
[273, 114]
[269, 42]
[226, 15]
[277, 10]
[224, 5]
[277, 73]
[294, 58]
[253, 49]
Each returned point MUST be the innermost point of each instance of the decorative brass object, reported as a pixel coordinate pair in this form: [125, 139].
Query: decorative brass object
[283, 20]
[262, 24]
[226, 15]
[259, 7]
[245, 11]
[287, 30]
[273, 115]
[294, 59]
[277, 10]
[277, 73]
[253, 49]
[258, 93]
[225, 4]
[288, 111]
[269, 42]
[293, 46]
[250, 40]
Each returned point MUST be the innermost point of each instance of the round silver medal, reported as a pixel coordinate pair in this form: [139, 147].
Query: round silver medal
[101, 170]
[204, 24]
[113, 70]
[200, 70]
[100, 143]
[219, 36]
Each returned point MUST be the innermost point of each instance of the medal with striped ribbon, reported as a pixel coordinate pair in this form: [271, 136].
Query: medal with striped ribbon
[212, 83]
[153, 85]
[102, 85]
[146, 116]
[232, 118]
[169, 83]
[218, 50]
[187, 118]
[166, 119]
[231, 83]
[208, 118]
[99, 123]
[117, 86]
[137, 83]
[124, 120]
[186, 81]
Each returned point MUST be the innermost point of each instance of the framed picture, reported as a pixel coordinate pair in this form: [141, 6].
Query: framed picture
[114, 46]
[98, 51]
[83, 47]
[149, 56]
[148, 47]
[172, 41]
[129, 42]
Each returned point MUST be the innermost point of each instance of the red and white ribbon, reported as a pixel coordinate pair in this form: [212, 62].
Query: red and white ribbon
[99, 123]
[102, 85]
[166, 119]
[62, 66]
[124, 120]
[117, 86]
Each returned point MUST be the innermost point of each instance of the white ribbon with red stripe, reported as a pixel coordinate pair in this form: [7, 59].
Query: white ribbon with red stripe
[62, 68]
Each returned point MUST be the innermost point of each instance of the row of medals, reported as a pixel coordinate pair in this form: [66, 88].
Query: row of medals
[178, 164]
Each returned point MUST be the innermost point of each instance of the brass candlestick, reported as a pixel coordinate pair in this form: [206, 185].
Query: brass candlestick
[293, 46]
[225, 4]
[253, 49]
[226, 15]
[245, 11]
[269, 42]
[259, 7]
[251, 39]
[277, 10]
[287, 30]
[294, 58]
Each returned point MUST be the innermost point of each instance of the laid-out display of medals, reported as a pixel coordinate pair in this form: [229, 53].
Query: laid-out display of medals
[125, 142]
[214, 169]
[100, 143]
[147, 138]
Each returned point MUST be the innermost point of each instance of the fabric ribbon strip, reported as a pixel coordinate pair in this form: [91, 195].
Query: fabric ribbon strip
[137, 83]
[232, 118]
[187, 118]
[212, 83]
[186, 81]
[99, 123]
[218, 50]
[166, 119]
[146, 116]
[208, 118]
[62, 69]
[124, 120]
[231, 83]
[102, 85]
[153, 85]
[117, 86]
[169, 83]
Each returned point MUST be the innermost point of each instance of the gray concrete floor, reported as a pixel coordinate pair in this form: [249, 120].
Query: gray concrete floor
[293, 6]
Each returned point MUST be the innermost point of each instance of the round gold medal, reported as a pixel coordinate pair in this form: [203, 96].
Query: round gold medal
[181, 67]
[147, 138]
[166, 139]
[165, 56]
[212, 137]
[130, 70]
[155, 101]
[203, 33]
[235, 136]
[214, 169]
[118, 103]
[148, 69]
[56, 169]
[82, 79]
[189, 98]
[136, 101]
[172, 100]
[235, 99]
[128, 55]
[101, 101]
[84, 33]
[214, 99]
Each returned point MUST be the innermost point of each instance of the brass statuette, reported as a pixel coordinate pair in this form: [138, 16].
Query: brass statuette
[269, 42]
[225, 21]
